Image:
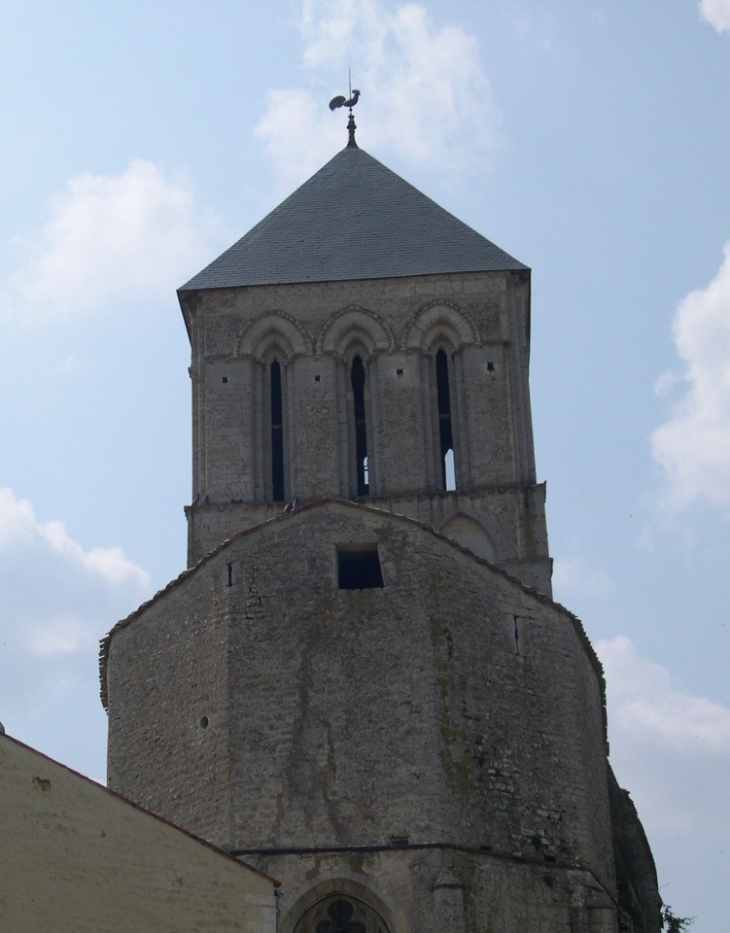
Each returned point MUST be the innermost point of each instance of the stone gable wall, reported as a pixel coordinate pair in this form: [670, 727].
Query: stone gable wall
[450, 707]
[168, 709]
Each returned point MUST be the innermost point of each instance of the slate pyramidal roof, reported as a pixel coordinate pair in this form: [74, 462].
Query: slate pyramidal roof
[353, 219]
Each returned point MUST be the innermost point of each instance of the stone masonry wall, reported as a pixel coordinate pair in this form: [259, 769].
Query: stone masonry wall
[447, 889]
[495, 513]
[450, 707]
[396, 326]
[168, 708]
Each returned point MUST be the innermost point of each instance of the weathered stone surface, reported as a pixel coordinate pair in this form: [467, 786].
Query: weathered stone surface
[314, 331]
[362, 683]
[449, 708]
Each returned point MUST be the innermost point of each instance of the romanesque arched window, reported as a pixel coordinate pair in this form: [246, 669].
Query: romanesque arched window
[444, 420]
[442, 332]
[356, 336]
[276, 420]
[359, 425]
[271, 342]
[272, 442]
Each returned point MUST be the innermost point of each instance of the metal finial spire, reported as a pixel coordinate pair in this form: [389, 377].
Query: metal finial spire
[342, 101]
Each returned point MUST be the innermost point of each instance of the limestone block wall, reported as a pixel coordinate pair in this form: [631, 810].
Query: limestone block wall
[450, 706]
[169, 711]
[396, 327]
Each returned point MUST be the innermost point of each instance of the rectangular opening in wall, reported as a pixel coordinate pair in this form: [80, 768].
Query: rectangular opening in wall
[358, 568]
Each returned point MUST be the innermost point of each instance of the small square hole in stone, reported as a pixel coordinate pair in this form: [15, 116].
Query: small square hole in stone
[224, 379]
[317, 378]
[359, 568]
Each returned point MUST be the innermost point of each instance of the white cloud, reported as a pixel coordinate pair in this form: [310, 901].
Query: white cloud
[671, 749]
[64, 635]
[17, 520]
[110, 564]
[693, 446]
[56, 601]
[650, 707]
[108, 237]
[717, 13]
[425, 94]
[539, 26]
[329, 28]
[576, 581]
[297, 134]
[20, 528]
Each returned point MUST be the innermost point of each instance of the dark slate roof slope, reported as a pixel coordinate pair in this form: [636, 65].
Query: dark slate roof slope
[354, 219]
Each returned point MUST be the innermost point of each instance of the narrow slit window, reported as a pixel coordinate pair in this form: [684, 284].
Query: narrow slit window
[277, 433]
[357, 379]
[359, 569]
[446, 434]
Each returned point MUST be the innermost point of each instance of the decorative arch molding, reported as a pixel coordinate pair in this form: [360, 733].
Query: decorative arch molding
[440, 321]
[341, 904]
[273, 329]
[351, 325]
[471, 534]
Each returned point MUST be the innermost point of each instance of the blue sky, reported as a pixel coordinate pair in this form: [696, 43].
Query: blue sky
[589, 139]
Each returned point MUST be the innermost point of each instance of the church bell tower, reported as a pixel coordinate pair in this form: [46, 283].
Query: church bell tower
[362, 343]
[361, 683]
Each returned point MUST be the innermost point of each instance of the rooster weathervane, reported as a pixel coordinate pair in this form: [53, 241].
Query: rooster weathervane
[342, 101]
